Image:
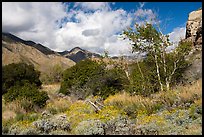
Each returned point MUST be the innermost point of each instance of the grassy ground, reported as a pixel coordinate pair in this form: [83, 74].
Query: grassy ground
[175, 112]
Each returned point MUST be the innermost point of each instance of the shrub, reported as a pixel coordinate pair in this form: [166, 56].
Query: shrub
[19, 74]
[168, 98]
[120, 125]
[89, 77]
[79, 74]
[16, 128]
[90, 127]
[111, 82]
[29, 92]
[143, 83]
[109, 112]
[6, 124]
[56, 122]
[190, 93]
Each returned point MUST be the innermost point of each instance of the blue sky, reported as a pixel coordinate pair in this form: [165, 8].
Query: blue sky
[177, 12]
[94, 26]
[173, 14]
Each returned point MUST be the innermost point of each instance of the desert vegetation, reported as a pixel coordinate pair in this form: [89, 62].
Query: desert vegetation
[173, 112]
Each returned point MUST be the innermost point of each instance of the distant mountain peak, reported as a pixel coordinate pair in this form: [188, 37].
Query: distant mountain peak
[77, 54]
[76, 49]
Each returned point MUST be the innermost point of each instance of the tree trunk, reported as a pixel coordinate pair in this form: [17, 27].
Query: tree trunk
[143, 86]
[167, 85]
[158, 73]
[164, 67]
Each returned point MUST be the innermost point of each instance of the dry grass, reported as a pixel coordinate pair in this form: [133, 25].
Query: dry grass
[59, 104]
[52, 90]
[132, 105]
[182, 94]
[190, 93]
[14, 106]
[8, 114]
[10, 110]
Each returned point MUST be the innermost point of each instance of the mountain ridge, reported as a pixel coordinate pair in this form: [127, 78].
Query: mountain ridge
[12, 38]
[15, 50]
[77, 54]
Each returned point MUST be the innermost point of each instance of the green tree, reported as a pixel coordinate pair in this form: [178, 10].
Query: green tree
[79, 74]
[27, 91]
[147, 39]
[92, 78]
[18, 74]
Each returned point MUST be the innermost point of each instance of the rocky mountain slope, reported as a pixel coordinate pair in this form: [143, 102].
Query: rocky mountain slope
[194, 34]
[11, 38]
[77, 54]
[16, 50]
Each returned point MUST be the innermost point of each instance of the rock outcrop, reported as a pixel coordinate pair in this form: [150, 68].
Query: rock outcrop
[194, 34]
[194, 28]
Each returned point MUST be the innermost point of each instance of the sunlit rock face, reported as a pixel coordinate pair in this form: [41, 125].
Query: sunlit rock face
[194, 34]
[194, 28]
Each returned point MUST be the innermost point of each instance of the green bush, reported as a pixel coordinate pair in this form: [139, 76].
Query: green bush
[19, 74]
[109, 83]
[80, 74]
[89, 77]
[28, 91]
[143, 83]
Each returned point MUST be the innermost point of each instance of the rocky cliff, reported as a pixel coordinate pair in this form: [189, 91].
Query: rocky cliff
[194, 34]
[194, 28]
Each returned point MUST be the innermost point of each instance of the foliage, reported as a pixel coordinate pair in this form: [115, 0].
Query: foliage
[89, 77]
[79, 74]
[19, 74]
[109, 83]
[29, 92]
[139, 85]
[30, 117]
[53, 75]
[167, 67]
[174, 122]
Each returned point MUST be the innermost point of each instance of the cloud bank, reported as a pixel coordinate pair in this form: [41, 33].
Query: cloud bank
[93, 26]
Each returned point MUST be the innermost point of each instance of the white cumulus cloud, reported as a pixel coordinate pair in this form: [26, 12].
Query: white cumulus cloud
[62, 26]
[32, 20]
[175, 36]
[93, 5]
[93, 31]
